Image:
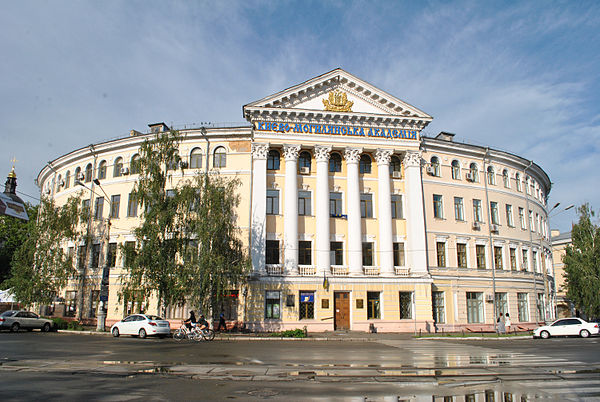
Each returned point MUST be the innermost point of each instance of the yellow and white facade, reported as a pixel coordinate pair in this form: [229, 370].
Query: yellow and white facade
[352, 219]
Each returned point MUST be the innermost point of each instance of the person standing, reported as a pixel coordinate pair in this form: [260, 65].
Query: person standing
[507, 323]
[501, 328]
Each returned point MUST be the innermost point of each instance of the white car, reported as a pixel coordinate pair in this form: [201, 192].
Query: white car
[141, 325]
[567, 327]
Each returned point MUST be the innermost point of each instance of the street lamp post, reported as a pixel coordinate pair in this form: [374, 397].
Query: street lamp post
[101, 314]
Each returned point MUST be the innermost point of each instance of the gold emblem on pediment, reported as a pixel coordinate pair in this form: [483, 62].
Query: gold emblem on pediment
[338, 102]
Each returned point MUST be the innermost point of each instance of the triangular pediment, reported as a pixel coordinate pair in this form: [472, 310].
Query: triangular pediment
[337, 93]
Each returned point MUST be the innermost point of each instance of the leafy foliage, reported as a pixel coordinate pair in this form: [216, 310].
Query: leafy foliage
[13, 233]
[187, 246]
[40, 266]
[582, 264]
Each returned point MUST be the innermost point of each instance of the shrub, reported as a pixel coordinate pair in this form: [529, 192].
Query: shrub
[75, 326]
[59, 323]
[290, 333]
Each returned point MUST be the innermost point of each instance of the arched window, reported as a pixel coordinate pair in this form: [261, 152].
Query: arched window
[474, 172]
[118, 167]
[59, 183]
[395, 167]
[365, 164]
[196, 158]
[78, 175]
[335, 162]
[505, 178]
[68, 179]
[456, 170]
[134, 164]
[491, 176]
[518, 181]
[88, 173]
[435, 166]
[220, 158]
[273, 160]
[528, 186]
[102, 170]
[304, 160]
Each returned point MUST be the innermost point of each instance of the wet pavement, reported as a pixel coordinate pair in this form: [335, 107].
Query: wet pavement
[380, 367]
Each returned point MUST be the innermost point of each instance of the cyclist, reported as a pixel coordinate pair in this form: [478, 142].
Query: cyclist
[190, 322]
[202, 323]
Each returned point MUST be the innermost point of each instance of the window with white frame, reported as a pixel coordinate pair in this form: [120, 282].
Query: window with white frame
[366, 205]
[477, 216]
[438, 206]
[523, 303]
[304, 198]
[441, 253]
[494, 212]
[509, 216]
[336, 253]
[459, 210]
[397, 211]
[272, 304]
[474, 307]
[437, 302]
[491, 176]
[505, 178]
[399, 258]
[335, 203]
[455, 170]
[406, 305]
[461, 255]
[272, 202]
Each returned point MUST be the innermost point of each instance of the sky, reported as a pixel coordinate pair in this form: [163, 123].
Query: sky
[520, 76]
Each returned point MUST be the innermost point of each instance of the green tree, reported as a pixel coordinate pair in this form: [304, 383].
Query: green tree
[177, 222]
[40, 266]
[582, 264]
[13, 233]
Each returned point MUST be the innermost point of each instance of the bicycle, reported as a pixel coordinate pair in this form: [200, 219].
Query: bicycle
[207, 334]
[184, 332]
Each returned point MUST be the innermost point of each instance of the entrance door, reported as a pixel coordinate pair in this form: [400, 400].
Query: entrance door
[342, 310]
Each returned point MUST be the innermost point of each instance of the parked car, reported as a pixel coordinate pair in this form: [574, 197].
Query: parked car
[567, 327]
[141, 325]
[17, 319]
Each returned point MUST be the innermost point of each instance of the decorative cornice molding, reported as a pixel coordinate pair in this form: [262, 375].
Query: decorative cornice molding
[260, 150]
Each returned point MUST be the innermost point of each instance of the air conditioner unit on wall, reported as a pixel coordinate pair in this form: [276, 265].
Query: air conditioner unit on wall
[80, 177]
[430, 170]
[489, 298]
[124, 170]
[397, 175]
[494, 228]
[470, 176]
[305, 170]
[476, 226]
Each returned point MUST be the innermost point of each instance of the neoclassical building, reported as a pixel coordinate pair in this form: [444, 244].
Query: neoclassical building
[352, 218]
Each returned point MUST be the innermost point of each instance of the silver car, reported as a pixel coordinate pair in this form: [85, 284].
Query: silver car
[21, 319]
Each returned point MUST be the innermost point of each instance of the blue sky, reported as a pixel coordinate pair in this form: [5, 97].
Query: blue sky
[517, 76]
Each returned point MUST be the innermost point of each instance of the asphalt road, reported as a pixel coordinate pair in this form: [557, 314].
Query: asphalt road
[90, 367]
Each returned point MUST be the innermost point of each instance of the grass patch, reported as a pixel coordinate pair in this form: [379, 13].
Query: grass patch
[290, 333]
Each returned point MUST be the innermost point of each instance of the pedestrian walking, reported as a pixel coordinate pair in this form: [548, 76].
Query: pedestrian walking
[222, 322]
[507, 323]
[500, 327]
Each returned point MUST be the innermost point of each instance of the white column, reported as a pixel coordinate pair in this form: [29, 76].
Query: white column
[415, 218]
[322, 209]
[290, 211]
[386, 247]
[258, 233]
[352, 156]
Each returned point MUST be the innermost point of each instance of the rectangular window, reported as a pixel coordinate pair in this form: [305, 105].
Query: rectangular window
[397, 211]
[459, 212]
[509, 216]
[272, 202]
[307, 305]
[335, 204]
[98, 208]
[115, 205]
[81, 250]
[94, 299]
[531, 223]
[367, 254]
[474, 307]
[438, 207]
[129, 247]
[112, 255]
[535, 262]
[461, 255]
[501, 304]
[405, 305]
[366, 205]
[304, 203]
[272, 305]
[441, 253]
[304, 253]
[399, 259]
[477, 211]
[523, 307]
[95, 255]
[336, 253]
[525, 265]
[272, 252]
[494, 212]
[437, 301]
[513, 259]
[498, 257]
[540, 307]
[522, 218]
[132, 206]
[373, 308]
[480, 253]
[70, 303]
